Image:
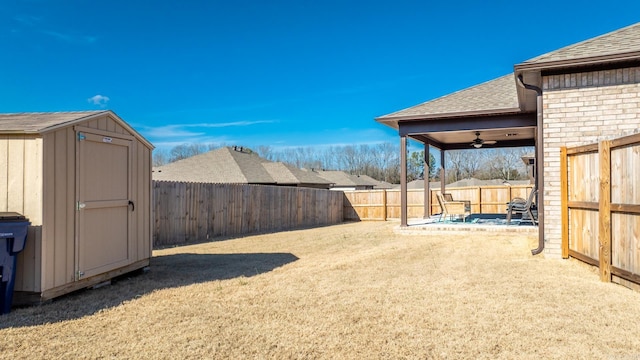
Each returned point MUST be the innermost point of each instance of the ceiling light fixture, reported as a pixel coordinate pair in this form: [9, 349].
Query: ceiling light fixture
[477, 142]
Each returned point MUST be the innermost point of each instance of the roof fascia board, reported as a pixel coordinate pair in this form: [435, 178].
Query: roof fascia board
[469, 123]
[384, 119]
[589, 61]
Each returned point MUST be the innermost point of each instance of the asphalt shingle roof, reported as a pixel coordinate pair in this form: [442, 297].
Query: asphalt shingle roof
[342, 179]
[495, 96]
[229, 166]
[36, 122]
[223, 165]
[621, 41]
[286, 174]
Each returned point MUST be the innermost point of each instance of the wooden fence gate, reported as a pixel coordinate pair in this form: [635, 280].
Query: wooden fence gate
[600, 201]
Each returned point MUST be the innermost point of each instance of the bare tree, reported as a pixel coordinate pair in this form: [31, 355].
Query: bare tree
[184, 151]
[454, 160]
[387, 162]
[160, 157]
[266, 152]
[506, 163]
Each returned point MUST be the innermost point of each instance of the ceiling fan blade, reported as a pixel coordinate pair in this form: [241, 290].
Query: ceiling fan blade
[489, 142]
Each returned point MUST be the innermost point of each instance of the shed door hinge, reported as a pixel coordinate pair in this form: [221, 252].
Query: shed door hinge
[80, 205]
[80, 274]
[81, 136]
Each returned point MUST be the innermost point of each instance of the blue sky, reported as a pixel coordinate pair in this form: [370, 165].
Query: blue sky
[281, 73]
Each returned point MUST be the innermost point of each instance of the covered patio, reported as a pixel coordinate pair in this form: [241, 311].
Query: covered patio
[504, 112]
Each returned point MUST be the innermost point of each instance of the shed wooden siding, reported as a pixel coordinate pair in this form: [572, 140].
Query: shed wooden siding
[46, 173]
[21, 180]
[21, 191]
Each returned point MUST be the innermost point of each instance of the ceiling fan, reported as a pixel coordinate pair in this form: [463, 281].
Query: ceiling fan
[477, 142]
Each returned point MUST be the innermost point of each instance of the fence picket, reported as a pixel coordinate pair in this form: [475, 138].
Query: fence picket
[188, 212]
[385, 204]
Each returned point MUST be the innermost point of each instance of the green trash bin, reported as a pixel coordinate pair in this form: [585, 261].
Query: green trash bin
[13, 235]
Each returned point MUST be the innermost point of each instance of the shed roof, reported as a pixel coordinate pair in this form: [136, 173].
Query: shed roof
[43, 122]
[233, 166]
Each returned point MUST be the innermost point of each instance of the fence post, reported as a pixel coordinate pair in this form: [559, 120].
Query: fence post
[384, 204]
[564, 197]
[604, 209]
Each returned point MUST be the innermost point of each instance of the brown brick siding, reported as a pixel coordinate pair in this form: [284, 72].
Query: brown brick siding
[580, 109]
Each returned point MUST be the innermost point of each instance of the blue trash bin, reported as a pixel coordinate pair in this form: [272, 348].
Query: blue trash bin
[13, 235]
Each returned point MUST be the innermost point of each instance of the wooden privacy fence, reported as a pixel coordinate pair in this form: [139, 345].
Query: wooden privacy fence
[187, 212]
[600, 201]
[385, 204]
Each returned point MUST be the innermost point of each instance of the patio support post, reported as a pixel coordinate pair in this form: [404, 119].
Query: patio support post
[403, 181]
[442, 171]
[427, 192]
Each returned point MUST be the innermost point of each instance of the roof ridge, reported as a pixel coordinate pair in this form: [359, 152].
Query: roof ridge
[541, 58]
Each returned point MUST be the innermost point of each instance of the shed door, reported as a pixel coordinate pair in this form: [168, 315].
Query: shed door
[103, 241]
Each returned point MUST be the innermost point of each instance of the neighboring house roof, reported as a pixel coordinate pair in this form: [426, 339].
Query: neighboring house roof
[43, 122]
[495, 96]
[287, 174]
[223, 165]
[342, 179]
[227, 165]
[383, 185]
[619, 45]
[364, 180]
[419, 184]
[527, 157]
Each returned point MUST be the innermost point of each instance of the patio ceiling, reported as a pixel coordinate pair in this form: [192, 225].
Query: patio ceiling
[458, 133]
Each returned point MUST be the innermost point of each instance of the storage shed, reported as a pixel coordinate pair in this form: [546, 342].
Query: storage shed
[84, 181]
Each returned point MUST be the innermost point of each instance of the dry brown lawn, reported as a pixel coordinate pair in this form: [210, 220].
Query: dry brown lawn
[353, 291]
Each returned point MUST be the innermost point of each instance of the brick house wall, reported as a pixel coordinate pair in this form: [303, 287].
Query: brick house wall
[580, 109]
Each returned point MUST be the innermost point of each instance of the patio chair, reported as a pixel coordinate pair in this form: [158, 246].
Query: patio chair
[451, 208]
[449, 198]
[520, 206]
